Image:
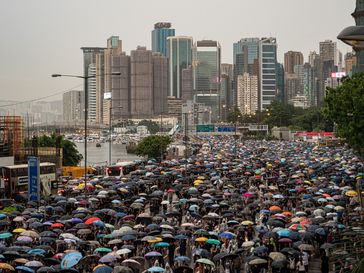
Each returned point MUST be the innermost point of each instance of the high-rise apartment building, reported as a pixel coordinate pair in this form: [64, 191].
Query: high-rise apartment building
[72, 106]
[267, 75]
[160, 84]
[247, 101]
[350, 62]
[141, 79]
[307, 86]
[291, 59]
[179, 52]
[161, 32]
[280, 82]
[313, 57]
[291, 85]
[187, 84]
[91, 86]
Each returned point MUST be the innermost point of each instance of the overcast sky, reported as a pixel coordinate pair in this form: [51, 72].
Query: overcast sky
[42, 37]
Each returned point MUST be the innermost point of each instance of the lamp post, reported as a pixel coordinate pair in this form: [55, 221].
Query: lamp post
[85, 78]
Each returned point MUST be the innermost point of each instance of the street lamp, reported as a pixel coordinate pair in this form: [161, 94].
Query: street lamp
[85, 78]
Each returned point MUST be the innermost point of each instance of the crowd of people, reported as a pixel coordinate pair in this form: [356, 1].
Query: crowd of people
[246, 207]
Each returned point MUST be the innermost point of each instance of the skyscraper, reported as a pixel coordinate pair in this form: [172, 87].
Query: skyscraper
[267, 67]
[292, 58]
[179, 52]
[328, 51]
[72, 106]
[92, 116]
[160, 84]
[161, 32]
[141, 78]
[245, 60]
[206, 59]
[247, 101]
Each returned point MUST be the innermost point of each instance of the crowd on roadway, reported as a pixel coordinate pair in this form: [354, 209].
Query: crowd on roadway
[245, 207]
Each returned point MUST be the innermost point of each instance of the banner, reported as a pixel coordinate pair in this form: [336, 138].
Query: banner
[33, 179]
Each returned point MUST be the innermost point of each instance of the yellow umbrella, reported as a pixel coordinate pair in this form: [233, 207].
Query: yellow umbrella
[247, 223]
[201, 177]
[19, 230]
[351, 193]
[201, 239]
[156, 240]
[6, 266]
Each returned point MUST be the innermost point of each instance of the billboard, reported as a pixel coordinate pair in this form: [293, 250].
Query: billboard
[228, 129]
[208, 128]
[338, 74]
[33, 178]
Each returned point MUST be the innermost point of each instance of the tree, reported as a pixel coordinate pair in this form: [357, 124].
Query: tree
[153, 146]
[153, 127]
[345, 106]
[71, 156]
[234, 115]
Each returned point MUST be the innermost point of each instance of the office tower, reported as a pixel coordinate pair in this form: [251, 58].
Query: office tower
[291, 86]
[328, 51]
[160, 84]
[292, 58]
[280, 81]
[267, 66]
[350, 62]
[72, 106]
[187, 84]
[206, 59]
[100, 86]
[306, 88]
[247, 101]
[141, 79]
[161, 32]
[226, 86]
[179, 52]
[312, 58]
[92, 93]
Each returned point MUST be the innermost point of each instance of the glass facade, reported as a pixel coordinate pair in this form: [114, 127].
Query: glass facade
[179, 52]
[268, 75]
[159, 39]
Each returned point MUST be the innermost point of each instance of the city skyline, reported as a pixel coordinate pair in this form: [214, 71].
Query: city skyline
[51, 41]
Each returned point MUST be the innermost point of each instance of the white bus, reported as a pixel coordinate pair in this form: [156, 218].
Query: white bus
[16, 178]
[121, 168]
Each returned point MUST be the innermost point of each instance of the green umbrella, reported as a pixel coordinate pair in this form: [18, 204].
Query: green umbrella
[213, 242]
[103, 249]
[205, 261]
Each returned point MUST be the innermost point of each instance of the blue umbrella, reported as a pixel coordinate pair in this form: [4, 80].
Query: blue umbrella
[5, 235]
[284, 233]
[99, 223]
[70, 260]
[156, 269]
[320, 231]
[183, 259]
[25, 269]
[103, 269]
[128, 238]
[181, 237]
[3, 216]
[36, 251]
[227, 235]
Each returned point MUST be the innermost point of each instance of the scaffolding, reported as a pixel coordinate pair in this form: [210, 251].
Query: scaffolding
[11, 135]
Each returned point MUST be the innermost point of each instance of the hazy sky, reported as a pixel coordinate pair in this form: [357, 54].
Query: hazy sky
[42, 37]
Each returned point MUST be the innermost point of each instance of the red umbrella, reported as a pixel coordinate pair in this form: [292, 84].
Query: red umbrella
[91, 220]
[285, 240]
[57, 225]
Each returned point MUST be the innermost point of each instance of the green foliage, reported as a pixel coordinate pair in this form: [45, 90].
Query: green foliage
[235, 115]
[345, 106]
[153, 146]
[71, 156]
[153, 127]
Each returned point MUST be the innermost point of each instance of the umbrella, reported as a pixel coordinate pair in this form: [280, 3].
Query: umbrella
[257, 261]
[46, 269]
[205, 261]
[156, 269]
[70, 260]
[5, 235]
[123, 251]
[30, 233]
[34, 264]
[103, 269]
[277, 256]
[162, 244]
[306, 247]
[184, 259]
[153, 254]
[123, 269]
[103, 250]
[6, 266]
[213, 242]
[24, 269]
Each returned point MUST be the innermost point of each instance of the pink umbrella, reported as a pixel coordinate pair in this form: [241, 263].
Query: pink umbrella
[248, 194]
